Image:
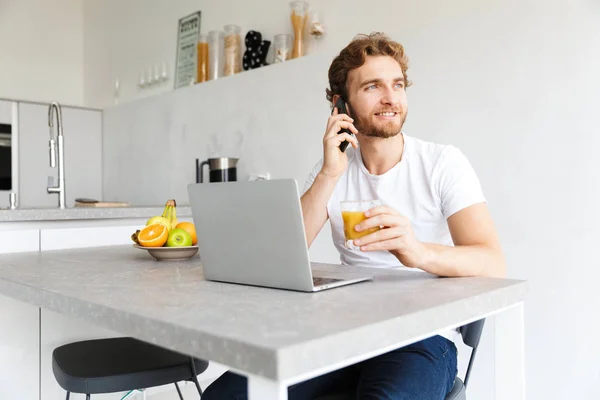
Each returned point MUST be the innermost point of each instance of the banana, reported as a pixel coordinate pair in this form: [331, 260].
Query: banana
[170, 214]
[168, 219]
[134, 236]
[164, 218]
[174, 215]
[167, 211]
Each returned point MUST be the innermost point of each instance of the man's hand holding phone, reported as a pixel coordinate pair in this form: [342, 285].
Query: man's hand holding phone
[335, 161]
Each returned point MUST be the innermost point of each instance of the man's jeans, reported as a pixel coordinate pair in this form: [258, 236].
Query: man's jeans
[421, 371]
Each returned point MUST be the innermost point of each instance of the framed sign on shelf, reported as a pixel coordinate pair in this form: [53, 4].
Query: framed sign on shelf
[187, 40]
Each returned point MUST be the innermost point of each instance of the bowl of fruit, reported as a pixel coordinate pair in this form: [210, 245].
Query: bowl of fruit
[166, 239]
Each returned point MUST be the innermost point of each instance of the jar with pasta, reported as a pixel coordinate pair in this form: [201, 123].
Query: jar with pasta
[233, 49]
[299, 17]
[202, 55]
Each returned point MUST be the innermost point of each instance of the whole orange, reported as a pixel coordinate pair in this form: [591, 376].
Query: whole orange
[189, 228]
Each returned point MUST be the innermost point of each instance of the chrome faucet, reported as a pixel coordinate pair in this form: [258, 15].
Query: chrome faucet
[57, 151]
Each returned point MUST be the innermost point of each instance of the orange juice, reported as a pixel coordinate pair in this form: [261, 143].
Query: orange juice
[351, 219]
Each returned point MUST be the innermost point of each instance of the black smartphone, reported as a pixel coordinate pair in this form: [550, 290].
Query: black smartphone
[340, 104]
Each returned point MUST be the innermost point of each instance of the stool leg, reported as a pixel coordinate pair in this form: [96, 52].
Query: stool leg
[195, 379]
[129, 394]
[68, 395]
[195, 376]
[133, 393]
[178, 391]
[88, 397]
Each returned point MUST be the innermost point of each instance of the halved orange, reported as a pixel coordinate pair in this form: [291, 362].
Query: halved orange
[154, 235]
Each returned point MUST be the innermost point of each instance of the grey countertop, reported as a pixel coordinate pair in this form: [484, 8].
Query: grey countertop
[85, 213]
[277, 334]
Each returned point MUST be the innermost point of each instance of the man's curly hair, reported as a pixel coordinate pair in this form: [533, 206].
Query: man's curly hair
[354, 56]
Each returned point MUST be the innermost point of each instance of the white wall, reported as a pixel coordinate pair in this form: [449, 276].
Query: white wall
[512, 83]
[517, 88]
[125, 37]
[42, 50]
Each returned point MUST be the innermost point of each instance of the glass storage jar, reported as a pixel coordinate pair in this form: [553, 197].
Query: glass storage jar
[215, 54]
[202, 55]
[299, 16]
[233, 50]
[282, 48]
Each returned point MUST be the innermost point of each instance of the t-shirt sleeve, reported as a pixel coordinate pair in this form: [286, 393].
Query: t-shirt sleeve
[311, 177]
[457, 183]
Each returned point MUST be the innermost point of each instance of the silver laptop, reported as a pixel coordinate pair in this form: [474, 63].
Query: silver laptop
[252, 233]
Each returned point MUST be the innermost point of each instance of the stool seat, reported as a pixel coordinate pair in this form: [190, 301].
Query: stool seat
[458, 391]
[119, 364]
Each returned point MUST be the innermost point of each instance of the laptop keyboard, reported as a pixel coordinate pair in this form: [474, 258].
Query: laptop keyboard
[324, 281]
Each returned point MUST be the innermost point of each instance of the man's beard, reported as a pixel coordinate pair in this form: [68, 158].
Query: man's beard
[384, 130]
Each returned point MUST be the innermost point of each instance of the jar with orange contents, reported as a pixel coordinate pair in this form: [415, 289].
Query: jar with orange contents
[298, 17]
[202, 54]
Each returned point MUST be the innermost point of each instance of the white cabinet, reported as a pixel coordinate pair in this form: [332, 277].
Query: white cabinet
[20, 329]
[19, 350]
[82, 131]
[75, 238]
[56, 330]
[6, 112]
[19, 241]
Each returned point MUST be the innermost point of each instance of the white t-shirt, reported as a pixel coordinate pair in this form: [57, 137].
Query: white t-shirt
[429, 184]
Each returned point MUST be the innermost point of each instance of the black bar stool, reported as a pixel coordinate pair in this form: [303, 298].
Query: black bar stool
[121, 364]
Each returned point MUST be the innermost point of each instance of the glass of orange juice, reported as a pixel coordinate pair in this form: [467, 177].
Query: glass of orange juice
[353, 213]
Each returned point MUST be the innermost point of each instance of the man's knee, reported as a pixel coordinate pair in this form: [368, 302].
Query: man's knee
[416, 372]
[210, 394]
[215, 392]
[375, 391]
[228, 386]
[381, 392]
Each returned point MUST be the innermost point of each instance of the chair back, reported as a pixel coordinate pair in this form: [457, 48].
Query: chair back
[471, 334]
